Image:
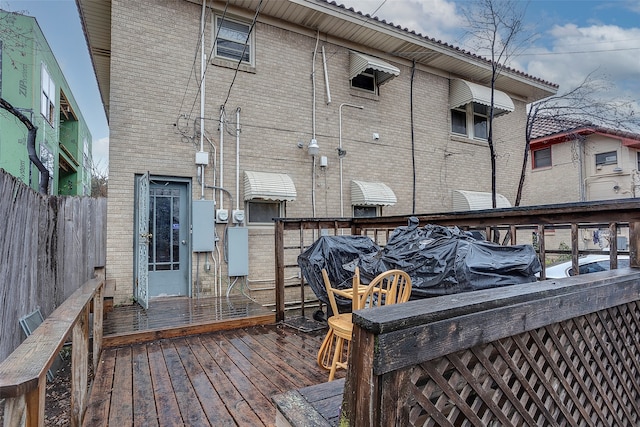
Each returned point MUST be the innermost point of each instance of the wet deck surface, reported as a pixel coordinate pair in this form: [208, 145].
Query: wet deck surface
[199, 362]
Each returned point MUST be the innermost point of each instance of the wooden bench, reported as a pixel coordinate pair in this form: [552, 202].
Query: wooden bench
[313, 406]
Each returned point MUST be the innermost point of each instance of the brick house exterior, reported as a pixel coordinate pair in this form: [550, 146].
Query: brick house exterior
[581, 162]
[147, 62]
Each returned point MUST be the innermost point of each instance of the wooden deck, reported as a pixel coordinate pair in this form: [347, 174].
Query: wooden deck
[213, 361]
[178, 316]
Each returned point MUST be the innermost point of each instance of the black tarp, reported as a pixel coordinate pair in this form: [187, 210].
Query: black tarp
[440, 261]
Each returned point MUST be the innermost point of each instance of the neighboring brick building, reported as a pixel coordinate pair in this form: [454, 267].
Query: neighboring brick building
[577, 161]
[296, 89]
[32, 82]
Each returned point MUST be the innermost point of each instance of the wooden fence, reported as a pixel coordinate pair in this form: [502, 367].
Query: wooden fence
[562, 352]
[49, 247]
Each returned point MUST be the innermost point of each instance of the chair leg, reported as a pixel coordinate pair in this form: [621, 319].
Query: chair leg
[325, 353]
[337, 354]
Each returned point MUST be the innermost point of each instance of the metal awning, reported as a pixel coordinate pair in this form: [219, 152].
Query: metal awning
[462, 92]
[382, 70]
[463, 200]
[371, 193]
[268, 186]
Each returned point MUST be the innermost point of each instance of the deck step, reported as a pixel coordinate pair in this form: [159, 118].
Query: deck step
[313, 406]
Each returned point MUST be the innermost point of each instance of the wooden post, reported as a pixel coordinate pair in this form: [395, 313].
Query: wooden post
[361, 400]
[541, 251]
[613, 245]
[575, 263]
[98, 313]
[79, 366]
[634, 244]
[279, 258]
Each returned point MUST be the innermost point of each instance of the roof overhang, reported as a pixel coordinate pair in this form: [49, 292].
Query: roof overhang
[372, 194]
[339, 25]
[627, 139]
[462, 92]
[359, 63]
[268, 186]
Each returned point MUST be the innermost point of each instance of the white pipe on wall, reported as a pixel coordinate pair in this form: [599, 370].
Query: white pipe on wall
[238, 158]
[203, 64]
[326, 76]
[340, 155]
[221, 155]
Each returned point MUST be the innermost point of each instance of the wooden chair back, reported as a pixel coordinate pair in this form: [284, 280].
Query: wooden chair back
[389, 287]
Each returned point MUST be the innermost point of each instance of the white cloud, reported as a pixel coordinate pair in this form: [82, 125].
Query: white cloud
[610, 52]
[438, 19]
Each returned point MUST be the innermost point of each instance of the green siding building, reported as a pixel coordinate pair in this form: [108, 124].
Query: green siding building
[33, 83]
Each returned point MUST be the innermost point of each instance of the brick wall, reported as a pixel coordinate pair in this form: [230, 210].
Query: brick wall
[153, 81]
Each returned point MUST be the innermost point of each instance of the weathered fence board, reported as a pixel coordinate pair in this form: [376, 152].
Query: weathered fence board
[49, 246]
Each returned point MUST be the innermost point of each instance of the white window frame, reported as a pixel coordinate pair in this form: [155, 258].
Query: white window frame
[533, 158]
[47, 96]
[607, 155]
[470, 123]
[377, 208]
[250, 49]
[369, 74]
[254, 202]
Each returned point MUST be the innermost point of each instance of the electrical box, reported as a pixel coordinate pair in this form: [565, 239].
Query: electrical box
[203, 225]
[202, 158]
[238, 251]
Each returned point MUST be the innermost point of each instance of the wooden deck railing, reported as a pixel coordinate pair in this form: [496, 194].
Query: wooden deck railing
[294, 235]
[556, 352]
[23, 375]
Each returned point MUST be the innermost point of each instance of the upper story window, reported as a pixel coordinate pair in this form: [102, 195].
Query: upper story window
[542, 158]
[368, 73]
[47, 99]
[470, 104]
[471, 120]
[608, 158]
[234, 40]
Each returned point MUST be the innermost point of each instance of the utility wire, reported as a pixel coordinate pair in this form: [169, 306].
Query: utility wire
[246, 41]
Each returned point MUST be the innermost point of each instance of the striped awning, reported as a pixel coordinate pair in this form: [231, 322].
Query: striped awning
[371, 194]
[382, 70]
[462, 92]
[268, 186]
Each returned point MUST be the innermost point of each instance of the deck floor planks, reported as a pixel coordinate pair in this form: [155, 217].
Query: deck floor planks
[259, 404]
[165, 399]
[97, 412]
[223, 378]
[121, 410]
[212, 405]
[300, 372]
[144, 406]
[235, 404]
[186, 396]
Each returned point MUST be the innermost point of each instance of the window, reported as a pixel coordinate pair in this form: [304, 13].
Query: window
[365, 81]
[234, 40]
[471, 120]
[608, 158]
[47, 102]
[638, 160]
[263, 211]
[366, 211]
[542, 158]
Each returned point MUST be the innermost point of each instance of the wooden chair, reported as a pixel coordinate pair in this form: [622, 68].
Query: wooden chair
[327, 348]
[390, 287]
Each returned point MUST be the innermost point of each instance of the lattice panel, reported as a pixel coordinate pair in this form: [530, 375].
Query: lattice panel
[584, 371]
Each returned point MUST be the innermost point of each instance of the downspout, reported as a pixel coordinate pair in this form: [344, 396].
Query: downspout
[221, 155]
[313, 124]
[340, 151]
[32, 131]
[326, 76]
[203, 61]
[238, 158]
[413, 142]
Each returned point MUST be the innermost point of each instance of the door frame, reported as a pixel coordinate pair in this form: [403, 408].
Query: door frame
[136, 238]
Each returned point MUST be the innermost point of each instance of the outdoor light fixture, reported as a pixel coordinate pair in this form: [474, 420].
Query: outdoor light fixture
[313, 147]
[341, 152]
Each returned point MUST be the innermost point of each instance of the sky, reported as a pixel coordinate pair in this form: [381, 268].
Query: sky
[573, 38]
